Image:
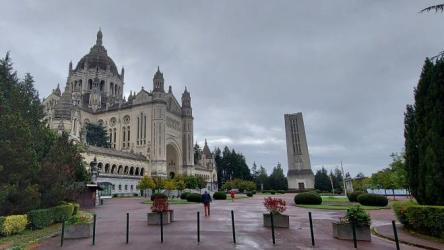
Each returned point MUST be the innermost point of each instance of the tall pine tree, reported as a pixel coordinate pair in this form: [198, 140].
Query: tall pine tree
[424, 136]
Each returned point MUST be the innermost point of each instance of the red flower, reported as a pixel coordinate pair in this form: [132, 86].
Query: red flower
[159, 205]
[275, 205]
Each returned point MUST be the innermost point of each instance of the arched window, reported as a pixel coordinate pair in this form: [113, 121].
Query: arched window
[120, 169]
[124, 137]
[126, 170]
[107, 168]
[111, 88]
[128, 130]
[141, 171]
[90, 84]
[115, 89]
[131, 171]
[102, 85]
[137, 171]
[80, 84]
[113, 169]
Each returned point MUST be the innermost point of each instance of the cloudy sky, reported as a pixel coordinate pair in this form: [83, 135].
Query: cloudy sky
[349, 66]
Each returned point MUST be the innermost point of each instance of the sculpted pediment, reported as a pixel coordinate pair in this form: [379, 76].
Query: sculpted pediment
[142, 97]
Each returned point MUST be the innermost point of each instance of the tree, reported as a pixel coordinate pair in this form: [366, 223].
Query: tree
[424, 130]
[231, 165]
[96, 135]
[254, 172]
[63, 175]
[201, 182]
[146, 183]
[180, 184]
[336, 178]
[322, 181]
[277, 179]
[169, 185]
[262, 179]
[190, 182]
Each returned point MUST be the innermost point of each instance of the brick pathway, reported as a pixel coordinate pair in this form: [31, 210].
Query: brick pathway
[215, 230]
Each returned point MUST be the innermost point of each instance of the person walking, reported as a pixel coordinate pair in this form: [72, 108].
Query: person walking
[206, 199]
[232, 193]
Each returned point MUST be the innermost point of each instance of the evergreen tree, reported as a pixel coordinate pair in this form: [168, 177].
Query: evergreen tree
[254, 172]
[424, 133]
[322, 181]
[96, 135]
[336, 178]
[277, 179]
[63, 175]
[262, 179]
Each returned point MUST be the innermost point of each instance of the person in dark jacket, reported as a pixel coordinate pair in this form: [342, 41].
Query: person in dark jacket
[206, 199]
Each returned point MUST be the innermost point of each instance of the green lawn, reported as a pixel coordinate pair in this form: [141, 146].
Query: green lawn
[338, 203]
[27, 238]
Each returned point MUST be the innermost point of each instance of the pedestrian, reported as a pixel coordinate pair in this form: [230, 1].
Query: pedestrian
[206, 199]
[232, 193]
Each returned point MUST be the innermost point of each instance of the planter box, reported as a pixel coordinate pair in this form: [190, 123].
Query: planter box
[279, 220]
[77, 231]
[171, 215]
[154, 218]
[344, 231]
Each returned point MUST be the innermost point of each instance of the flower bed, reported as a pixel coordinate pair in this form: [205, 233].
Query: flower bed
[276, 207]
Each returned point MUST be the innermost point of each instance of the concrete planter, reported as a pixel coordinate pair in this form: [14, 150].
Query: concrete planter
[344, 231]
[77, 231]
[171, 215]
[154, 218]
[279, 220]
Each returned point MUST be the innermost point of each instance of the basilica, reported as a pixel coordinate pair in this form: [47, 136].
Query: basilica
[150, 132]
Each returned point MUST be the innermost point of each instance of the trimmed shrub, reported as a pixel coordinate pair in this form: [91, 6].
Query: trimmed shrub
[373, 200]
[424, 219]
[308, 198]
[184, 195]
[250, 194]
[41, 218]
[194, 197]
[62, 212]
[273, 192]
[357, 214]
[281, 191]
[353, 196]
[13, 224]
[158, 195]
[76, 208]
[220, 196]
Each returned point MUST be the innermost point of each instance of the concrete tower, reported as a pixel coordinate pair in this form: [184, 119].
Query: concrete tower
[187, 116]
[300, 176]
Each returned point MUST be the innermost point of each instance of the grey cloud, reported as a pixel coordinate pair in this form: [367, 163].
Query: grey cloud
[349, 66]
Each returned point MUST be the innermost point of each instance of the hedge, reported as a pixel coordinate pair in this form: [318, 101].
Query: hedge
[250, 194]
[220, 196]
[76, 208]
[184, 195]
[373, 200]
[424, 219]
[13, 224]
[62, 212]
[41, 218]
[353, 196]
[308, 198]
[158, 195]
[194, 197]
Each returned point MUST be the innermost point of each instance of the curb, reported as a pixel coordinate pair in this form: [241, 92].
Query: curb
[376, 233]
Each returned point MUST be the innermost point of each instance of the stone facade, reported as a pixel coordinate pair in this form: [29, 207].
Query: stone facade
[300, 176]
[150, 131]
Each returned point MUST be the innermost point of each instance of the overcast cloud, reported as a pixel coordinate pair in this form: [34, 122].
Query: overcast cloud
[349, 66]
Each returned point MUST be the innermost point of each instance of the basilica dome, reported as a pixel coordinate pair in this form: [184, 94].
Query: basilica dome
[97, 58]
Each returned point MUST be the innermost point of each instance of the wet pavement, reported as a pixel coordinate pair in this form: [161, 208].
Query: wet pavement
[216, 232]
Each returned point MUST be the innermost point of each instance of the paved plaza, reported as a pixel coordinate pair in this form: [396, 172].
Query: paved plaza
[216, 230]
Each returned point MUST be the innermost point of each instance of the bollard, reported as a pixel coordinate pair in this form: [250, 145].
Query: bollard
[232, 226]
[161, 227]
[63, 234]
[355, 243]
[395, 231]
[198, 228]
[94, 229]
[127, 228]
[272, 229]
[311, 229]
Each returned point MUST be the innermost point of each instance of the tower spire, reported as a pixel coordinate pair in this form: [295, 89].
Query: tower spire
[99, 37]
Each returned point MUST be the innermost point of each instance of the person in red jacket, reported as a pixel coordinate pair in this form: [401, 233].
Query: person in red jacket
[232, 193]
